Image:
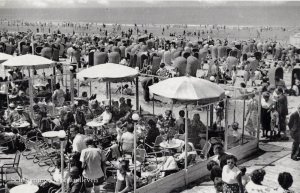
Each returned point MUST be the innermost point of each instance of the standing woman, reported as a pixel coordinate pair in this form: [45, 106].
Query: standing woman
[232, 176]
[266, 104]
[252, 115]
[195, 129]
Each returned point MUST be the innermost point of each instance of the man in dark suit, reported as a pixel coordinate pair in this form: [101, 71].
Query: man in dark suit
[282, 109]
[145, 84]
[294, 125]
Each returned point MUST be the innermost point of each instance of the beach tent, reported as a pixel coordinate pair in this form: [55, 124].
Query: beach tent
[295, 40]
[188, 89]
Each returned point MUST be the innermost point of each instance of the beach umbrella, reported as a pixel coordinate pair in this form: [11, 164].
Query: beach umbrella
[4, 57]
[188, 89]
[108, 72]
[27, 60]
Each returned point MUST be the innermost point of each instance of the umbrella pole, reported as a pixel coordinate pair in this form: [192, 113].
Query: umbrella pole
[186, 143]
[109, 87]
[226, 125]
[153, 104]
[207, 121]
[243, 131]
[31, 97]
[259, 117]
[137, 92]
[72, 87]
[90, 89]
[78, 87]
[106, 90]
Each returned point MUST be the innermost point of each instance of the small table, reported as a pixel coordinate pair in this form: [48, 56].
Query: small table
[50, 134]
[24, 188]
[94, 124]
[21, 127]
[168, 145]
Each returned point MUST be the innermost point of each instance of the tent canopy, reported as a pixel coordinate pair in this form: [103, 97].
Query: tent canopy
[188, 89]
[28, 60]
[108, 72]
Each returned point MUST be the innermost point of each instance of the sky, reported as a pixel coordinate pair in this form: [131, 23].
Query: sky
[124, 3]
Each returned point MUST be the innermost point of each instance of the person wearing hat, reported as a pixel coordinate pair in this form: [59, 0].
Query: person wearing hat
[266, 104]
[9, 111]
[19, 116]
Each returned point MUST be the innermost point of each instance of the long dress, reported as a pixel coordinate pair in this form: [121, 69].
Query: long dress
[266, 115]
[251, 119]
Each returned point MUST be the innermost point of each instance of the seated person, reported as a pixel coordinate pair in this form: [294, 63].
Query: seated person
[19, 116]
[127, 139]
[56, 180]
[127, 90]
[9, 111]
[75, 184]
[123, 107]
[45, 124]
[191, 155]
[162, 71]
[106, 116]
[124, 178]
[234, 136]
[255, 185]
[168, 166]
[296, 87]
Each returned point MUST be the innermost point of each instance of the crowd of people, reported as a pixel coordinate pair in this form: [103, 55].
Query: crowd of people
[161, 58]
[228, 177]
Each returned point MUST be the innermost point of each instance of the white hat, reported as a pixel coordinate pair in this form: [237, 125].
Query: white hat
[212, 79]
[20, 108]
[12, 105]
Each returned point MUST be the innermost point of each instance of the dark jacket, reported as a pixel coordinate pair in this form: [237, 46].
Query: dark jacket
[294, 125]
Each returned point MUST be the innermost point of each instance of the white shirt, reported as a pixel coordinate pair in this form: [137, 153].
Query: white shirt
[92, 157]
[255, 188]
[106, 117]
[79, 143]
[229, 176]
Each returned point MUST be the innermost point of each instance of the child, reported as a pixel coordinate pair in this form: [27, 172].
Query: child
[245, 177]
[274, 122]
[235, 133]
[162, 71]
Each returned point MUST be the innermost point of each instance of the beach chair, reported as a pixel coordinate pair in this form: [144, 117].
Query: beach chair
[11, 168]
[204, 153]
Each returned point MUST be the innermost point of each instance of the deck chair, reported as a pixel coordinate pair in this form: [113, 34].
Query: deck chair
[11, 168]
[204, 153]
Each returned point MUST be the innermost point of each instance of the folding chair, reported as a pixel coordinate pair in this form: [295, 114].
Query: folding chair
[11, 168]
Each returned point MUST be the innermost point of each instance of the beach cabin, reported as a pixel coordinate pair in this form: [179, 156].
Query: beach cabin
[273, 73]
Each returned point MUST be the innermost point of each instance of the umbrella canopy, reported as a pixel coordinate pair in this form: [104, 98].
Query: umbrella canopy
[108, 72]
[4, 57]
[28, 60]
[188, 89]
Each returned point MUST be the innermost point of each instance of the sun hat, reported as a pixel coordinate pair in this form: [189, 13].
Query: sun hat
[20, 108]
[12, 105]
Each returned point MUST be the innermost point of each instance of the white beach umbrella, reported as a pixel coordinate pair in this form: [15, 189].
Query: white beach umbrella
[4, 57]
[28, 60]
[188, 89]
[108, 72]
